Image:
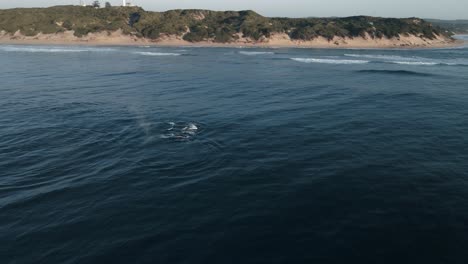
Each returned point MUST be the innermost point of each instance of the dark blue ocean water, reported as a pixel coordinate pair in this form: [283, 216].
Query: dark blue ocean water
[230, 155]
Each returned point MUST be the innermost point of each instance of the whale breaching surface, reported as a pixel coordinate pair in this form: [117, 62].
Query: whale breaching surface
[181, 131]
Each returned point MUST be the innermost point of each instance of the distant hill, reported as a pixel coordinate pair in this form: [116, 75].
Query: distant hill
[205, 25]
[457, 26]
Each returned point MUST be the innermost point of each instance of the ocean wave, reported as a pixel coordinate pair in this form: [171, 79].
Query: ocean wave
[421, 63]
[119, 74]
[428, 63]
[53, 49]
[48, 50]
[253, 53]
[329, 61]
[417, 61]
[384, 57]
[157, 54]
[396, 72]
[395, 59]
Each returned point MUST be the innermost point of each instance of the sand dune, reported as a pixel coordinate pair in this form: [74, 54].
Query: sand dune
[276, 40]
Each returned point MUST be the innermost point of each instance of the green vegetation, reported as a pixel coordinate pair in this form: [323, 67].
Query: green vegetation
[455, 26]
[82, 20]
[201, 25]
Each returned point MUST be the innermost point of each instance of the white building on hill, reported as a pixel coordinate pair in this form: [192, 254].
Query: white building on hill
[126, 3]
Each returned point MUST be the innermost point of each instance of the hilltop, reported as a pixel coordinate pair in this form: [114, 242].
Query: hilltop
[459, 26]
[127, 25]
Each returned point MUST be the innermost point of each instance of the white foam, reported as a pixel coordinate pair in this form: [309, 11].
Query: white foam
[455, 62]
[167, 136]
[157, 54]
[394, 59]
[191, 126]
[422, 63]
[52, 49]
[180, 130]
[254, 53]
[48, 50]
[382, 57]
[172, 124]
[329, 61]
[429, 63]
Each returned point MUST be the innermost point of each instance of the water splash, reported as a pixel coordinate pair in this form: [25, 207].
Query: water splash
[180, 131]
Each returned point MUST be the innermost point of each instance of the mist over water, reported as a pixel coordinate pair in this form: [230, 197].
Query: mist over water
[223, 155]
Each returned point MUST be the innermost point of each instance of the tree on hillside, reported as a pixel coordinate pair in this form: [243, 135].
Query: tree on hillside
[96, 4]
[108, 5]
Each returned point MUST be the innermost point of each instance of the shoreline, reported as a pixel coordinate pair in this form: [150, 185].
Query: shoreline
[458, 43]
[276, 41]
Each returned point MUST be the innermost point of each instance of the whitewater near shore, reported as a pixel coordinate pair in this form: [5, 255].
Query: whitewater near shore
[275, 40]
[357, 57]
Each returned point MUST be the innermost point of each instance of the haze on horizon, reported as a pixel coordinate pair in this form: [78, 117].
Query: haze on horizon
[448, 9]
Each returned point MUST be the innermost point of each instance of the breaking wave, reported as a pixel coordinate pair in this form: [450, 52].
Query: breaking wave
[54, 49]
[423, 63]
[383, 57]
[41, 49]
[157, 54]
[415, 61]
[431, 63]
[330, 61]
[254, 53]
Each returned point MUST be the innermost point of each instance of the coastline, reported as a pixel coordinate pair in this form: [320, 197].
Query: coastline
[117, 38]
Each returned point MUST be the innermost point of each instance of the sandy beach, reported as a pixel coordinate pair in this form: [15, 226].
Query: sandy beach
[278, 40]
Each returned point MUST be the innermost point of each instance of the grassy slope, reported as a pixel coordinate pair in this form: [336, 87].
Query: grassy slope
[199, 25]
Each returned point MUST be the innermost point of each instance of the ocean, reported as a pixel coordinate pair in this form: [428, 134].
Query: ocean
[233, 155]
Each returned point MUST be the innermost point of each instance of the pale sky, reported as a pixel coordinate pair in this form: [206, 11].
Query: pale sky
[447, 9]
